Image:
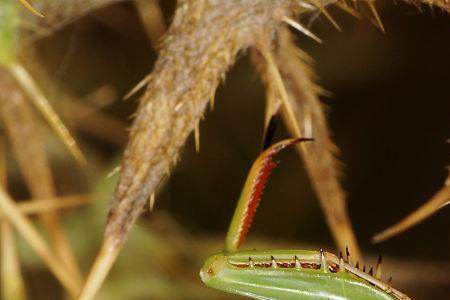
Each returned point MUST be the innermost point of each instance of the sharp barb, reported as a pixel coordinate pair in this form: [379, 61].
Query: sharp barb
[357, 265]
[375, 14]
[274, 263]
[301, 28]
[378, 270]
[297, 263]
[371, 271]
[349, 258]
[323, 262]
[364, 268]
[390, 280]
[250, 262]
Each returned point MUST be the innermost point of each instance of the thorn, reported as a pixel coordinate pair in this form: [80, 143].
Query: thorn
[330, 18]
[151, 202]
[364, 269]
[341, 263]
[390, 280]
[378, 269]
[297, 263]
[371, 271]
[301, 28]
[250, 261]
[348, 256]
[357, 265]
[212, 102]
[323, 261]
[137, 87]
[197, 138]
[343, 6]
[274, 263]
[376, 15]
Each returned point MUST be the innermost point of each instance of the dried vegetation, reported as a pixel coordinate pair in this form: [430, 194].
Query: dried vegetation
[201, 44]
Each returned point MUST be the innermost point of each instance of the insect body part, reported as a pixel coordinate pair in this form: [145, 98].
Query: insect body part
[292, 275]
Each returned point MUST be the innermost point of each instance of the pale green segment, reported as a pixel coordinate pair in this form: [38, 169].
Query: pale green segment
[9, 18]
[282, 283]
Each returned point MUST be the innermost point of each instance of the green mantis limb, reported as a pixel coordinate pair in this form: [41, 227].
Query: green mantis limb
[285, 274]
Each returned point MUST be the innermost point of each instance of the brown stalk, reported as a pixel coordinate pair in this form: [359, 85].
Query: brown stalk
[44, 205]
[23, 131]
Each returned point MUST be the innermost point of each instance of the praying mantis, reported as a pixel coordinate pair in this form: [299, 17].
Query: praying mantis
[285, 274]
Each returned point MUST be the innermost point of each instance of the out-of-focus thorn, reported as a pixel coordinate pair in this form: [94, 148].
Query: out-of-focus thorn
[301, 28]
[197, 138]
[151, 202]
[375, 14]
[31, 8]
[41, 102]
[441, 198]
[137, 87]
[330, 18]
[348, 9]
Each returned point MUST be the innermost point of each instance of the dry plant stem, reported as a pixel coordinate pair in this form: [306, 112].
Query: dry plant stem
[41, 102]
[199, 47]
[37, 243]
[441, 198]
[103, 263]
[319, 156]
[43, 205]
[23, 131]
[153, 19]
[12, 284]
[13, 287]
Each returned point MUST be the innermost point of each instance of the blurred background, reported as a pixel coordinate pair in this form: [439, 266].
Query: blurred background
[389, 115]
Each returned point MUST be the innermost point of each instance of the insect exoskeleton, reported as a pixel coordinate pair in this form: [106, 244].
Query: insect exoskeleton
[292, 274]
